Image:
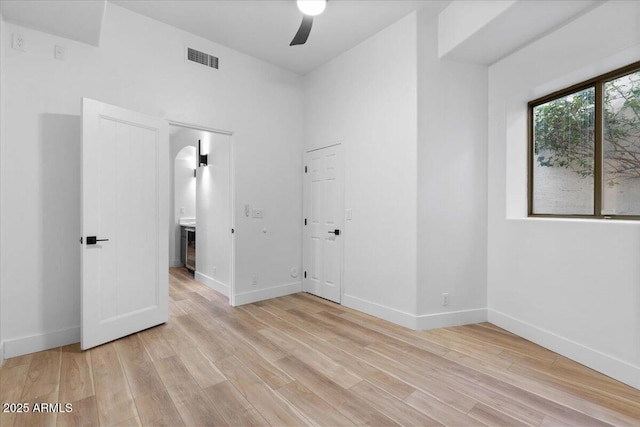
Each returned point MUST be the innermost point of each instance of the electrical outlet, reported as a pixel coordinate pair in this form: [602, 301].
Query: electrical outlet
[215, 271]
[59, 52]
[19, 43]
[254, 280]
[445, 299]
[258, 213]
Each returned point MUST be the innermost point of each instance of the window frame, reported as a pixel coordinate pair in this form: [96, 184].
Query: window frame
[598, 84]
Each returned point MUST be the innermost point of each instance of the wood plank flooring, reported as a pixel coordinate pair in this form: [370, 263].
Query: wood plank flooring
[301, 360]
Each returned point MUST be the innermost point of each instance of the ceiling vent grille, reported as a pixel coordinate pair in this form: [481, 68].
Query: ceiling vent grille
[203, 58]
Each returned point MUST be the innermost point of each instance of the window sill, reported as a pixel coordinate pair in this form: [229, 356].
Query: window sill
[577, 220]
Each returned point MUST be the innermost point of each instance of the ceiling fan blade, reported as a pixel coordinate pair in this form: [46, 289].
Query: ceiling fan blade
[303, 32]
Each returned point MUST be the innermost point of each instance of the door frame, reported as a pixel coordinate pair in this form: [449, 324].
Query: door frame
[232, 198]
[305, 197]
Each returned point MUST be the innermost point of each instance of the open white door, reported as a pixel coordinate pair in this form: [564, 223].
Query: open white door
[323, 211]
[125, 157]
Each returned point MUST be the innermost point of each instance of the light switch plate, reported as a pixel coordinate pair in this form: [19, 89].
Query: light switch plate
[59, 52]
[18, 42]
[349, 214]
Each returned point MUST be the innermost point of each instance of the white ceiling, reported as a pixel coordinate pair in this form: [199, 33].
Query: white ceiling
[523, 21]
[264, 28]
[79, 20]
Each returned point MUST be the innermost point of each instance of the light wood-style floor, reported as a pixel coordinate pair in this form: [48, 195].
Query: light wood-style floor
[300, 360]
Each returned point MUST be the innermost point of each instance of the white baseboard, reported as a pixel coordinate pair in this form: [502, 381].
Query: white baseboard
[214, 284]
[393, 315]
[615, 368]
[31, 344]
[1, 353]
[268, 293]
[411, 321]
[452, 318]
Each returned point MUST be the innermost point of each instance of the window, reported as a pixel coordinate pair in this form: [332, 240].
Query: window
[584, 149]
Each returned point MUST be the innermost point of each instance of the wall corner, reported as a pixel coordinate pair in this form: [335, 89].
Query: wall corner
[2, 144]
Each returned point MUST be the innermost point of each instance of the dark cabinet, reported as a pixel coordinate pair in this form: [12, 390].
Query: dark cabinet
[190, 250]
[188, 247]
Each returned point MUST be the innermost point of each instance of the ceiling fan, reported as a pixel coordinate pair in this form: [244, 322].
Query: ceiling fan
[309, 9]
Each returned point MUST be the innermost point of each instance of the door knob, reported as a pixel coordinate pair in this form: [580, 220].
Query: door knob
[92, 240]
[336, 232]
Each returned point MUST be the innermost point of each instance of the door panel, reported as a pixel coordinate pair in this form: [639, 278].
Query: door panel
[323, 207]
[124, 200]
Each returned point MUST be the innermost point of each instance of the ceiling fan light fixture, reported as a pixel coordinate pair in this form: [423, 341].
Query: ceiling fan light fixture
[312, 7]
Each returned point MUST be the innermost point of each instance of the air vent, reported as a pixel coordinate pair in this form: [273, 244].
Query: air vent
[202, 58]
[213, 61]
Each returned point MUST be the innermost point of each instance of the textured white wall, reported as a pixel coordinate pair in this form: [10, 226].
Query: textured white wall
[571, 285]
[140, 66]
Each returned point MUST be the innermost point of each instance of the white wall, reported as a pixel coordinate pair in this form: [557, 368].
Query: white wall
[452, 189]
[179, 138]
[570, 285]
[462, 19]
[140, 66]
[213, 213]
[366, 99]
[184, 197]
[414, 131]
[185, 185]
[2, 126]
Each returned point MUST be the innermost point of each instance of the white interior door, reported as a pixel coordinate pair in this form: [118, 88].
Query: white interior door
[125, 158]
[323, 210]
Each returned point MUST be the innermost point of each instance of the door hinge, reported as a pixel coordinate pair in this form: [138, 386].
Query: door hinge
[80, 239]
[305, 169]
[233, 230]
[305, 221]
[305, 274]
